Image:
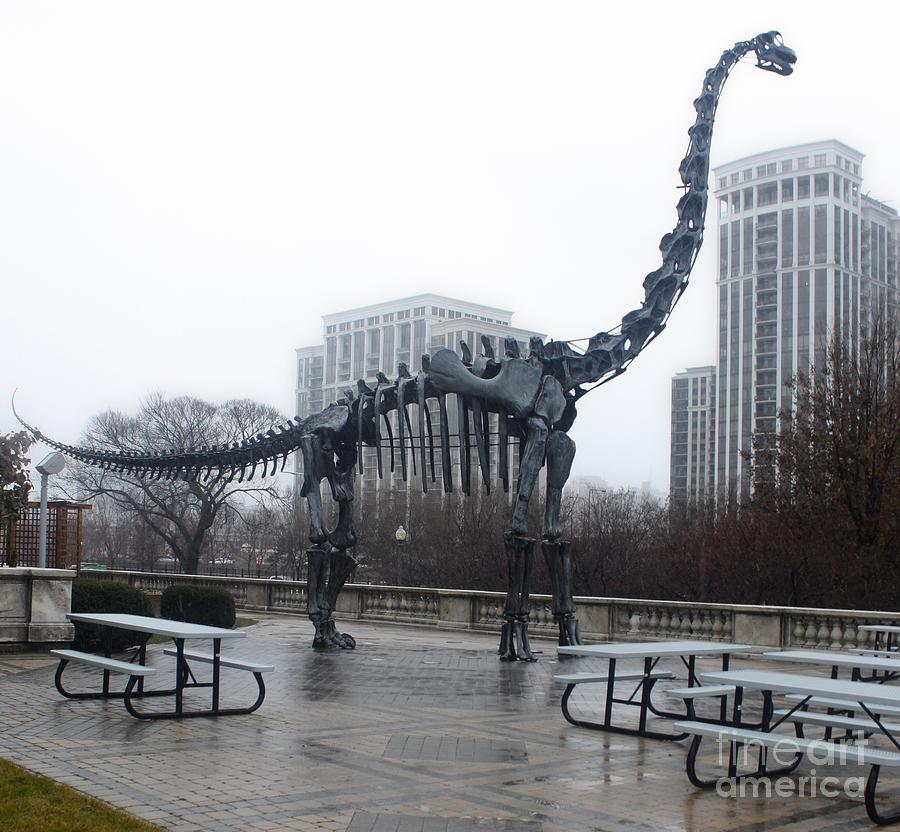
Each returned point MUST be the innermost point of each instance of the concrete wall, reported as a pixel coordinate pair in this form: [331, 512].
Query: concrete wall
[33, 607]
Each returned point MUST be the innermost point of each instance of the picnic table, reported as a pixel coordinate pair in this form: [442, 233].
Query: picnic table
[650, 653]
[889, 644]
[137, 669]
[882, 668]
[802, 689]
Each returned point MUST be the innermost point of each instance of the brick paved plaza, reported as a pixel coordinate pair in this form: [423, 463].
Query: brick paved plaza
[416, 730]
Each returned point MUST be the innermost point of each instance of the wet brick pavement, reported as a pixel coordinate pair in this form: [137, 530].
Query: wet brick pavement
[415, 731]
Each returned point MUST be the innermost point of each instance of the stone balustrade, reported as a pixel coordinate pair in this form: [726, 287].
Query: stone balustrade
[600, 619]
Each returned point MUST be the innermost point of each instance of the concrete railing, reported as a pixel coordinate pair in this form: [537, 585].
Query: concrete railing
[600, 619]
[33, 607]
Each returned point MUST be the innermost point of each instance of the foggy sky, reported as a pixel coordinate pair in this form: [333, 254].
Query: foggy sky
[186, 187]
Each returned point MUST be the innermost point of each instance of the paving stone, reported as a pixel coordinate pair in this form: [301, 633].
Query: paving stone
[419, 728]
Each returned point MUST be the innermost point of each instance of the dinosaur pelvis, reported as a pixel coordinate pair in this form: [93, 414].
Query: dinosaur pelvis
[519, 388]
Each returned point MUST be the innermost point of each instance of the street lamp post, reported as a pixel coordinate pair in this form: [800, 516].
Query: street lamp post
[400, 537]
[49, 465]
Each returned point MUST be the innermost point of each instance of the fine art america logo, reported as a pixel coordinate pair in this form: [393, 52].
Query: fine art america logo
[783, 755]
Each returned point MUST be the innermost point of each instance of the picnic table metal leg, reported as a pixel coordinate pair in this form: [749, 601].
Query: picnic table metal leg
[142, 659]
[646, 687]
[217, 643]
[692, 675]
[610, 685]
[723, 705]
[180, 675]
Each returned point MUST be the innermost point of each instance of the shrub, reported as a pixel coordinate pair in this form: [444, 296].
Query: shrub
[199, 605]
[107, 596]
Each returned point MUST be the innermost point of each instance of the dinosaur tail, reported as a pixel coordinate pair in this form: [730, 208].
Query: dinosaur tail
[239, 459]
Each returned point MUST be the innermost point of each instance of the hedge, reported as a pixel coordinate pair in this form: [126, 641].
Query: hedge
[107, 596]
[198, 604]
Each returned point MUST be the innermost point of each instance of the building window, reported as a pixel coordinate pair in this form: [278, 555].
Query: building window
[387, 317]
[787, 190]
[821, 184]
[373, 320]
[803, 163]
[330, 329]
[802, 187]
[748, 198]
[735, 178]
[418, 312]
[748, 174]
[735, 202]
[723, 250]
[735, 248]
[787, 165]
[403, 315]
[723, 181]
[820, 232]
[819, 160]
[803, 236]
[723, 206]
[787, 237]
[767, 194]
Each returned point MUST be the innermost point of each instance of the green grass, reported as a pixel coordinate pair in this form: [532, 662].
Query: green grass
[31, 803]
[238, 622]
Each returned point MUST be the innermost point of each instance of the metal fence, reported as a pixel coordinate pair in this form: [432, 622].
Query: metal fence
[19, 538]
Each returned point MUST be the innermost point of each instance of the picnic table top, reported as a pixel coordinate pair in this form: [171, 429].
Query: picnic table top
[645, 649]
[778, 682]
[835, 659]
[156, 626]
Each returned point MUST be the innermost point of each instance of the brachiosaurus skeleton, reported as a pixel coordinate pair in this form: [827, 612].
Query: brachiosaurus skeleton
[533, 399]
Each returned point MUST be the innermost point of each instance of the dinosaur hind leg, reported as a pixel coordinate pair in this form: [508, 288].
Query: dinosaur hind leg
[560, 454]
[514, 634]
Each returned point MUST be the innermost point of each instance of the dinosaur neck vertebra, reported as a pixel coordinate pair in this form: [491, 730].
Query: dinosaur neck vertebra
[609, 353]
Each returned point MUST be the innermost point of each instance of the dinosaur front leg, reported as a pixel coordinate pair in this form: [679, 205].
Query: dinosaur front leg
[311, 448]
[317, 606]
[341, 566]
[560, 454]
[340, 563]
[514, 634]
[343, 536]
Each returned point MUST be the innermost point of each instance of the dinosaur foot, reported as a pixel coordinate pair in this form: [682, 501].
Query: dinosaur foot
[568, 630]
[327, 637]
[514, 645]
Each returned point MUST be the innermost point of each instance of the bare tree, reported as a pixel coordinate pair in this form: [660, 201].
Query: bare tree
[180, 513]
[832, 476]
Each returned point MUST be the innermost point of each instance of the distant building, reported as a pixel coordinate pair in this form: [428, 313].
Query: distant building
[802, 252]
[357, 343]
[692, 469]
